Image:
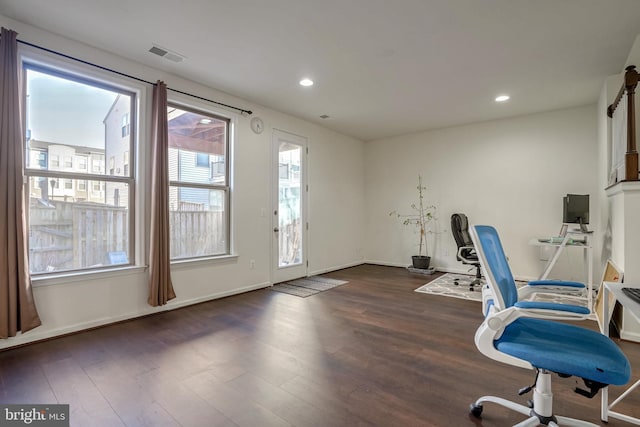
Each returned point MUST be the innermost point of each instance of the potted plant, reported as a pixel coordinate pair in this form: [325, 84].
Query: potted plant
[419, 218]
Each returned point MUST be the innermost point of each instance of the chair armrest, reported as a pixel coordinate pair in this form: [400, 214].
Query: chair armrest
[553, 308]
[557, 283]
[550, 286]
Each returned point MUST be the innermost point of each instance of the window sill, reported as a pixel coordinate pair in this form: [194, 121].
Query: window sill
[183, 264]
[84, 276]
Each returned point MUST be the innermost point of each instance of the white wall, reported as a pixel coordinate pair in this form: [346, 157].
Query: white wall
[509, 173]
[336, 171]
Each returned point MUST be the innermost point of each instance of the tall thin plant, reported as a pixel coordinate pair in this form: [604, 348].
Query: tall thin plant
[421, 216]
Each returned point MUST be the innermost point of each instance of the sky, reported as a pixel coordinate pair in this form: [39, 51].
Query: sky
[66, 112]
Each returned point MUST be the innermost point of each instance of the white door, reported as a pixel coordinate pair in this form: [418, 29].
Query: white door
[289, 207]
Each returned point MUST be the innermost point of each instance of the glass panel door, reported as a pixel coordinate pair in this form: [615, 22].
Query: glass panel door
[290, 207]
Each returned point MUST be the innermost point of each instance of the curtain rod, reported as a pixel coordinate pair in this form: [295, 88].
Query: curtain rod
[242, 110]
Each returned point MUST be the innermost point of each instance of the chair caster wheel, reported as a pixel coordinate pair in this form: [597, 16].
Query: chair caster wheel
[475, 410]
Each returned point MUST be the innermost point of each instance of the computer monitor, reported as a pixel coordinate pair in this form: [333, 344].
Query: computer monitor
[576, 210]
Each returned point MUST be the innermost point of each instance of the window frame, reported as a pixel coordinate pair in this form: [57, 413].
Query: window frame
[47, 63]
[192, 105]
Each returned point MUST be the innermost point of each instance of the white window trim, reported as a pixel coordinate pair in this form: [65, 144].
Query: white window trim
[141, 151]
[191, 103]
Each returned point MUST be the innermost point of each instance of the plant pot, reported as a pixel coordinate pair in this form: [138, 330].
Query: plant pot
[421, 261]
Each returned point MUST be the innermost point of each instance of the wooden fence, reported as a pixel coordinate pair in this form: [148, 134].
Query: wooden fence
[289, 241]
[196, 233]
[71, 236]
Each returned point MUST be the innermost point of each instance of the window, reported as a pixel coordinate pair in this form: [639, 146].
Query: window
[82, 163]
[70, 228]
[202, 160]
[126, 126]
[55, 161]
[125, 159]
[198, 199]
[96, 165]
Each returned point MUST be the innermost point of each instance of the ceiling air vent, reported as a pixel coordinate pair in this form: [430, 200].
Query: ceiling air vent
[166, 54]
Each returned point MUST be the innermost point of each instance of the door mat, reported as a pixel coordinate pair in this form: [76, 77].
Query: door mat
[307, 286]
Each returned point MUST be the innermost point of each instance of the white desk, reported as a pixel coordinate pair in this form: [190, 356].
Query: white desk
[572, 235]
[615, 290]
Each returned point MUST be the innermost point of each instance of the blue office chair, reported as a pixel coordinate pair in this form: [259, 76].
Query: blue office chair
[526, 334]
[517, 296]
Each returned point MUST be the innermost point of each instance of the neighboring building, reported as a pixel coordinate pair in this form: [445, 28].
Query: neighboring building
[56, 157]
[117, 124]
[196, 155]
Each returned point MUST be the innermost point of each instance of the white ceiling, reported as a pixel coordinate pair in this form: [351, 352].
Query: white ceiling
[381, 67]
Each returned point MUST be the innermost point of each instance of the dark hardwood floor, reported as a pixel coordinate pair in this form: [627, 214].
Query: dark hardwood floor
[368, 353]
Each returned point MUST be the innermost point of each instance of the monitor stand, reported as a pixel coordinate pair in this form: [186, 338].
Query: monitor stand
[563, 230]
[583, 227]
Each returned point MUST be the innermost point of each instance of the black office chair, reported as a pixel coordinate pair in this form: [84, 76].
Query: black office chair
[466, 252]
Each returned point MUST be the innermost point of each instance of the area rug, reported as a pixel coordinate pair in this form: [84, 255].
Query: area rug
[307, 286]
[445, 286]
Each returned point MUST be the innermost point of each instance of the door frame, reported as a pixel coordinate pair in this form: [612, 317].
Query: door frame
[281, 274]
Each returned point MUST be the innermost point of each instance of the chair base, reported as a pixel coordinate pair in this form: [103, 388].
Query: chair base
[477, 281]
[472, 285]
[542, 404]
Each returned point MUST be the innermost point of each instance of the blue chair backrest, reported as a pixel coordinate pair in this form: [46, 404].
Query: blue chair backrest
[495, 263]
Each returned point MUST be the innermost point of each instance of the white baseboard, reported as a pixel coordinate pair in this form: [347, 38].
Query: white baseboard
[630, 336]
[441, 269]
[454, 270]
[217, 295]
[340, 267]
[35, 335]
[386, 264]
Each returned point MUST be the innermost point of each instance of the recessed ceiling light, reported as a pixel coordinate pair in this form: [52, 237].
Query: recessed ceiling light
[502, 98]
[306, 82]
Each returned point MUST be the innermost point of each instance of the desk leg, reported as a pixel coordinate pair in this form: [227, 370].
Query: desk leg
[589, 264]
[604, 405]
[551, 262]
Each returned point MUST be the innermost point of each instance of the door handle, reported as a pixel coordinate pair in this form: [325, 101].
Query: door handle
[276, 229]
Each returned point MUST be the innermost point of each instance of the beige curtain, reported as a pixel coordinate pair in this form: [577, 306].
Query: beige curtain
[160, 286]
[17, 308]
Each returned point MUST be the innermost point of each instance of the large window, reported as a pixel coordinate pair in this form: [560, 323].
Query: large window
[80, 217]
[199, 183]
